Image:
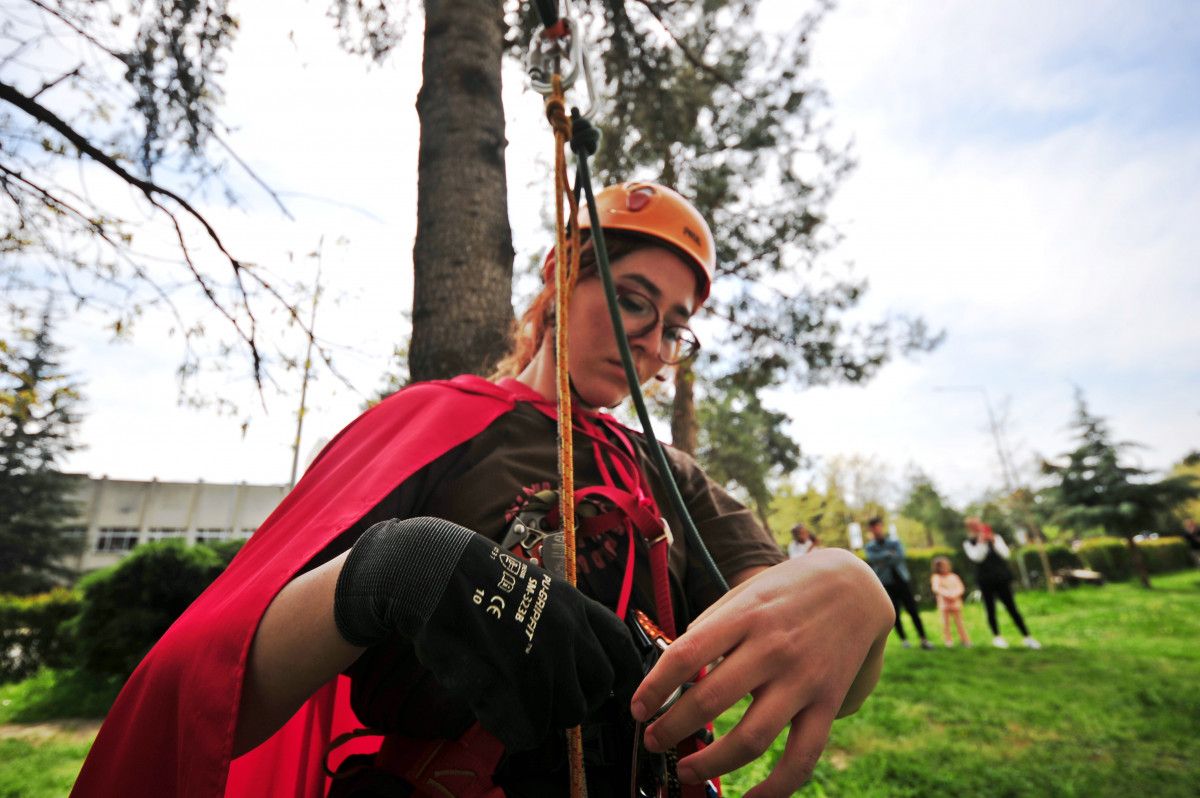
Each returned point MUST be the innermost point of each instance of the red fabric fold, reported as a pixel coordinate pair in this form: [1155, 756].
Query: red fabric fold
[170, 731]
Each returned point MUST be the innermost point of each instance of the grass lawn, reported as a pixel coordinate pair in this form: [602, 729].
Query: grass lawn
[1111, 707]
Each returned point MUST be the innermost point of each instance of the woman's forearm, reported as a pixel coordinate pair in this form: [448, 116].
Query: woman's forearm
[296, 649]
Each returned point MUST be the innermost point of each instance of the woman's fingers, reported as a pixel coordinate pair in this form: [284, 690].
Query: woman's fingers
[707, 699]
[806, 740]
[700, 645]
[770, 712]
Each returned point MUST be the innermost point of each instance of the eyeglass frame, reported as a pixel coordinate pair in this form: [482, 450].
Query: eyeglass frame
[625, 291]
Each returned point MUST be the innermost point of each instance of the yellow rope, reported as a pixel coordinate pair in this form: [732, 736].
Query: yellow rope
[566, 268]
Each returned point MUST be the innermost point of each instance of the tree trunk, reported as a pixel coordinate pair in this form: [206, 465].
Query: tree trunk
[684, 431]
[760, 509]
[1139, 562]
[463, 255]
[1039, 540]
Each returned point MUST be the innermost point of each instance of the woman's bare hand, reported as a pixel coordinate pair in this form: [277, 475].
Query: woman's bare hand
[804, 638]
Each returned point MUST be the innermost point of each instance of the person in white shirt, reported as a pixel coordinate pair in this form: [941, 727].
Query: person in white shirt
[803, 541]
[990, 554]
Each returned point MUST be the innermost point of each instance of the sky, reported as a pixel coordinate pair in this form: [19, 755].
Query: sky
[1028, 179]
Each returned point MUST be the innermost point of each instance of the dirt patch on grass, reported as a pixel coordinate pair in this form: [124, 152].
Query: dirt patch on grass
[70, 729]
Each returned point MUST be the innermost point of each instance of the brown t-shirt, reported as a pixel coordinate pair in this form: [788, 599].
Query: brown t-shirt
[482, 485]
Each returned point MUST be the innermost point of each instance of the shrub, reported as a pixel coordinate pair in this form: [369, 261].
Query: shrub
[225, 550]
[32, 632]
[128, 606]
[1110, 556]
[1167, 554]
[1059, 556]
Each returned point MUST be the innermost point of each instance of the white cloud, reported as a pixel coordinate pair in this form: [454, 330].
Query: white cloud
[1001, 193]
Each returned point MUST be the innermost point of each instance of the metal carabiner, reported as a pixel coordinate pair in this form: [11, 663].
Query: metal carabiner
[548, 56]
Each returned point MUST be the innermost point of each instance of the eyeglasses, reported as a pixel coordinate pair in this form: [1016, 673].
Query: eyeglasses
[641, 316]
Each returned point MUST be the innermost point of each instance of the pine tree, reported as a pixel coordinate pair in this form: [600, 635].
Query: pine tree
[926, 505]
[743, 442]
[1092, 488]
[37, 416]
[735, 120]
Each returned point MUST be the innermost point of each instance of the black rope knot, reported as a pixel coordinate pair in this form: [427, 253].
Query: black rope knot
[586, 137]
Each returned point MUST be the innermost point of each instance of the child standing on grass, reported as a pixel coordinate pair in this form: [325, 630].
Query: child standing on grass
[949, 590]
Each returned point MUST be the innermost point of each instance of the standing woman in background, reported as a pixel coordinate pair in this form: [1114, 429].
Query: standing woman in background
[990, 554]
[803, 541]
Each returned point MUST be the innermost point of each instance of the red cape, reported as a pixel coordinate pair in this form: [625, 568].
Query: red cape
[170, 732]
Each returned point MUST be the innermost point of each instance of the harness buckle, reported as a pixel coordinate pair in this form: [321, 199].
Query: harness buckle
[666, 534]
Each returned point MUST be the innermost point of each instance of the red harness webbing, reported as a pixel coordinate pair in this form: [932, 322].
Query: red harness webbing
[636, 502]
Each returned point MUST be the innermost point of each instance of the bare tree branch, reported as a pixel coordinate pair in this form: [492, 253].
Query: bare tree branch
[693, 58]
[253, 175]
[71, 24]
[52, 83]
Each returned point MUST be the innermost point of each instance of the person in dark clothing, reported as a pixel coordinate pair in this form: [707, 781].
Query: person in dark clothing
[990, 555]
[886, 556]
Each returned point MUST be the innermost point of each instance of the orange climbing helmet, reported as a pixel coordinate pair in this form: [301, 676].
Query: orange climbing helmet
[654, 211]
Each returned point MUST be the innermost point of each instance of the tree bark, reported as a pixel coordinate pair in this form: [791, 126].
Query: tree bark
[1139, 562]
[684, 430]
[463, 255]
[1039, 540]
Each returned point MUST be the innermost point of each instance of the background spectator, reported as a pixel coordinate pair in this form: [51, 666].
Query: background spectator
[990, 555]
[886, 556]
[803, 541]
[949, 589]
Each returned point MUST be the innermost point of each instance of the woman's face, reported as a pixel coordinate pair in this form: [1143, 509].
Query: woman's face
[595, 361]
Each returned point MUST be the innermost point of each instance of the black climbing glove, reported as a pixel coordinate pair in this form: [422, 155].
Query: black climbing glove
[526, 651]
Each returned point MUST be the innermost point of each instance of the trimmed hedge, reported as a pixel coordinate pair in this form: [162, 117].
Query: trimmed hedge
[1060, 556]
[32, 632]
[1111, 556]
[1166, 554]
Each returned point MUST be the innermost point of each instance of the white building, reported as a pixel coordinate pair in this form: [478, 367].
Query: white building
[114, 515]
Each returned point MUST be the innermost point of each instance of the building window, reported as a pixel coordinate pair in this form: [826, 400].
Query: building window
[164, 533]
[116, 538]
[244, 534]
[212, 534]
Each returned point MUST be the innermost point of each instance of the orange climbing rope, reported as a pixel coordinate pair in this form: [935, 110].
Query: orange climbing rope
[566, 271]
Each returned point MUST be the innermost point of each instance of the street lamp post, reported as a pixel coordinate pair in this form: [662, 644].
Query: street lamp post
[1008, 474]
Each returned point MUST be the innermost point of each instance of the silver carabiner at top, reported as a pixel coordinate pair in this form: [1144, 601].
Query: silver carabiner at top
[563, 54]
